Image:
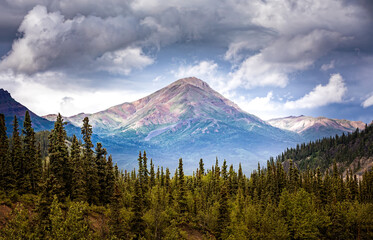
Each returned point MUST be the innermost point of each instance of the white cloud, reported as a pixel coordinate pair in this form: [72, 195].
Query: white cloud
[368, 102]
[44, 100]
[207, 71]
[256, 72]
[326, 67]
[272, 65]
[263, 107]
[123, 61]
[321, 95]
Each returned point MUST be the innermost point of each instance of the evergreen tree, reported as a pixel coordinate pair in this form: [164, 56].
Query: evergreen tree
[137, 223]
[223, 217]
[152, 174]
[78, 181]
[110, 181]
[117, 227]
[101, 171]
[7, 175]
[181, 196]
[201, 167]
[16, 154]
[59, 160]
[92, 183]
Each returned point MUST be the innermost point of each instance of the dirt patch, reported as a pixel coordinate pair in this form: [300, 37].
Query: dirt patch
[5, 213]
[194, 234]
[359, 166]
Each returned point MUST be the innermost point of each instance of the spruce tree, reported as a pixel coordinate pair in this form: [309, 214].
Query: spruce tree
[152, 174]
[78, 180]
[201, 167]
[223, 217]
[7, 175]
[32, 165]
[59, 160]
[137, 223]
[110, 180]
[116, 223]
[101, 171]
[92, 185]
[181, 196]
[16, 154]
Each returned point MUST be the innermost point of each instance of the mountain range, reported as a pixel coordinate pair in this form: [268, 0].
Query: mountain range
[188, 119]
[312, 128]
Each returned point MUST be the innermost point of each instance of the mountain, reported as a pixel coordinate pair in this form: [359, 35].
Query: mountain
[351, 152]
[312, 128]
[10, 108]
[187, 119]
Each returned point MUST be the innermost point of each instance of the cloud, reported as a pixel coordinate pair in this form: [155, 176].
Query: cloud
[123, 61]
[326, 67]
[368, 102]
[202, 70]
[50, 41]
[321, 95]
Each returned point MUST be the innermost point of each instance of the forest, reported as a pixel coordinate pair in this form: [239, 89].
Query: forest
[73, 190]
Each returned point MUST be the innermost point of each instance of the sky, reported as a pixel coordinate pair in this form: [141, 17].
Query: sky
[273, 58]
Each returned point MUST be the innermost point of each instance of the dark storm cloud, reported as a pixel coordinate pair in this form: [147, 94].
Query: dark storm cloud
[265, 40]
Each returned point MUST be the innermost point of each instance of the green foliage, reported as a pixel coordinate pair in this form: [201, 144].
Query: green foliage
[81, 195]
[19, 227]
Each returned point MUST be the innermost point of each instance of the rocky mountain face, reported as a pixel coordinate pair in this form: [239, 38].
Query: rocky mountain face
[187, 119]
[10, 108]
[312, 128]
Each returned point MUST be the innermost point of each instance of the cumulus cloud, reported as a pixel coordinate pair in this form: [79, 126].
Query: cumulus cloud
[368, 102]
[50, 41]
[333, 92]
[123, 61]
[265, 42]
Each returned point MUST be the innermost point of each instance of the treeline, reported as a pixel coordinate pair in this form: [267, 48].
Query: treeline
[78, 194]
[322, 153]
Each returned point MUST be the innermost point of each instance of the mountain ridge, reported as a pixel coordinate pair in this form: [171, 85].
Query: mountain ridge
[313, 128]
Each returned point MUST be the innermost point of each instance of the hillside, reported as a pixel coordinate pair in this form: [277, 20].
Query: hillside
[10, 108]
[351, 151]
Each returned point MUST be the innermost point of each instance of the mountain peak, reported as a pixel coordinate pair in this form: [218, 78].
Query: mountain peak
[4, 94]
[191, 81]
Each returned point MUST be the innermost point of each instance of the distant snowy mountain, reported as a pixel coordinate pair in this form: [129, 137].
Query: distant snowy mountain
[312, 128]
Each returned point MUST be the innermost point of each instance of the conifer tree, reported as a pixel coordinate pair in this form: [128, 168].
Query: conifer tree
[32, 165]
[101, 171]
[110, 180]
[137, 223]
[78, 181]
[145, 173]
[117, 227]
[181, 196]
[7, 175]
[59, 159]
[224, 172]
[201, 167]
[223, 217]
[16, 154]
[152, 174]
[92, 185]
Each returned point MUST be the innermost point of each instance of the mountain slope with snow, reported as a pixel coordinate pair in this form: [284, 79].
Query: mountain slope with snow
[316, 127]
